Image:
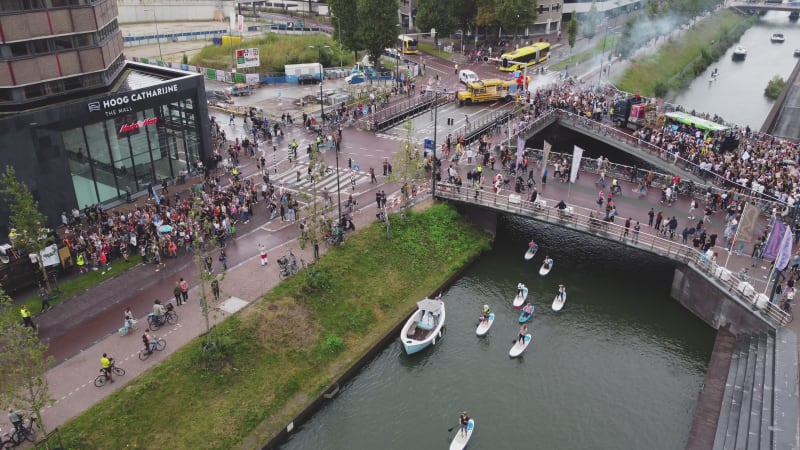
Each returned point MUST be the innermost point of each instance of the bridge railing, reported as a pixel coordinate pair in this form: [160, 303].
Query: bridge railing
[594, 222]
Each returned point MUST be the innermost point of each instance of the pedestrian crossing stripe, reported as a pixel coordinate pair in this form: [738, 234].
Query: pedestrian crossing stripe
[289, 178]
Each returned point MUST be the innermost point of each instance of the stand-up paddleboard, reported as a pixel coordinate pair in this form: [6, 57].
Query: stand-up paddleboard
[519, 347]
[519, 300]
[531, 252]
[461, 440]
[484, 326]
[559, 301]
[544, 270]
[524, 317]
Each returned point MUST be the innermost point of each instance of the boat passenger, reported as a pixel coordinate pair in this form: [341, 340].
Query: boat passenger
[528, 309]
[523, 330]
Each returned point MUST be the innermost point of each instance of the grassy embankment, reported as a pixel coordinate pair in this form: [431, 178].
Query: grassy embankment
[275, 51]
[277, 359]
[680, 60]
[431, 49]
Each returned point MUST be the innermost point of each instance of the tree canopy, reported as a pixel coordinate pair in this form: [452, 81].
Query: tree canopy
[378, 28]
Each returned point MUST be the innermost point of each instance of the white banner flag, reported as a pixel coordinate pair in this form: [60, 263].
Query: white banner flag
[545, 156]
[520, 150]
[577, 154]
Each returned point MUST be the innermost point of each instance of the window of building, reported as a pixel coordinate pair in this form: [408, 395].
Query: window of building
[41, 46]
[83, 40]
[19, 49]
[34, 91]
[60, 3]
[63, 43]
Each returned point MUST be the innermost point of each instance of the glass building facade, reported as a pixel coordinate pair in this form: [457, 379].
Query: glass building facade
[153, 125]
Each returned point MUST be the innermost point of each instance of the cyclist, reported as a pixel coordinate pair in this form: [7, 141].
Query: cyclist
[15, 417]
[107, 362]
[149, 342]
[158, 311]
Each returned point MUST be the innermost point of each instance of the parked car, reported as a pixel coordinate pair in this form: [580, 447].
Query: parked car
[467, 76]
[217, 96]
[307, 79]
[355, 78]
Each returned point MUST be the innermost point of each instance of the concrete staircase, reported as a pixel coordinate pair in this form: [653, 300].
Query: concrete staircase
[746, 414]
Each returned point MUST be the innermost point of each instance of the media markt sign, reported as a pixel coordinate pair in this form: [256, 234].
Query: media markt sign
[247, 57]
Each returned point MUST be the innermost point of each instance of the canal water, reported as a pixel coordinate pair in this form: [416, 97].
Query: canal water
[619, 367]
[738, 93]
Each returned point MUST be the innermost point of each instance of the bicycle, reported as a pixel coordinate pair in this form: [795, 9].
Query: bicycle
[160, 344]
[25, 432]
[5, 441]
[102, 379]
[170, 316]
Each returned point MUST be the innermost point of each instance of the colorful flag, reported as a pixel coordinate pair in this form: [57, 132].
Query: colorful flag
[786, 250]
[577, 154]
[774, 241]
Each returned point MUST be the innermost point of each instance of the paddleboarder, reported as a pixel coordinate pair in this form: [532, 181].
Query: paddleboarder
[562, 291]
[548, 262]
[523, 330]
[485, 313]
[532, 246]
[463, 420]
[528, 309]
[520, 287]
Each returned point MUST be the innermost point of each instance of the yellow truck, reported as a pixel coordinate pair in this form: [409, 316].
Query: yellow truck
[487, 91]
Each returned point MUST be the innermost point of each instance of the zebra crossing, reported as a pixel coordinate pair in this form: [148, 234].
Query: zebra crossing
[291, 180]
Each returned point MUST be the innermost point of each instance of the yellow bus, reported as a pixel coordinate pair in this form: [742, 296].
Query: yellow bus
[407, 45]
[487, 91]
[525, 56]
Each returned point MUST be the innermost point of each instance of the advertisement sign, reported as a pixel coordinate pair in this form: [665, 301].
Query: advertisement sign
[247, 57]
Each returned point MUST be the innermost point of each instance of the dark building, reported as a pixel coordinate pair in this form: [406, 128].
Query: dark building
[79, 123]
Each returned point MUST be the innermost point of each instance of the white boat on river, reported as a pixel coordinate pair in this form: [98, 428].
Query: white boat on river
[424, 327]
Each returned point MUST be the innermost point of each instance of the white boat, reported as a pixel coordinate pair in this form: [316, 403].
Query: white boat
[460, 441]
[424, 327]
[484, 326]
[559, 301]
[531, 252]
[519, 300]
[545, 270]
[519, 347]
[777, 38]
[739, 52]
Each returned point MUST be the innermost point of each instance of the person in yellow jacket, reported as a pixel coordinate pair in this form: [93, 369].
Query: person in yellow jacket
[81, 259]
[26, 317]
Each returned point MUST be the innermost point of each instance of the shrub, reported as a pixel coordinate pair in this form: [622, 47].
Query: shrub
[774, 87]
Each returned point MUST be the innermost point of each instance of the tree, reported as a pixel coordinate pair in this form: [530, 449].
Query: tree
[572, 31]
[486, 17]
[515, 14]
[347, 24]
[436, 14]
[313, 226]
[408, 165]
[27, 222]
[774, 87]
[592, 21]
[23, 365]
[378, 29]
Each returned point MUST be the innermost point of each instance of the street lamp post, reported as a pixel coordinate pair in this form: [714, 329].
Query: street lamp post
[158, 37]
[339, 35]
[338, 176]
[321, 77]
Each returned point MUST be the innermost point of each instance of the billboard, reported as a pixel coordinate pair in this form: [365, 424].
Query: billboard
[247, 57]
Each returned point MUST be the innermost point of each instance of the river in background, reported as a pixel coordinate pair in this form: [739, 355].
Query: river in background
[737, 95]
[619, 367]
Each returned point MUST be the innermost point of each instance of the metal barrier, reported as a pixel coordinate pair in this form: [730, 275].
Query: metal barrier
[583, 219]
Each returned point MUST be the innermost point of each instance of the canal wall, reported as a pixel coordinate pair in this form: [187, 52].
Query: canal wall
[712, 304]
[483, 218]
[777, 122]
